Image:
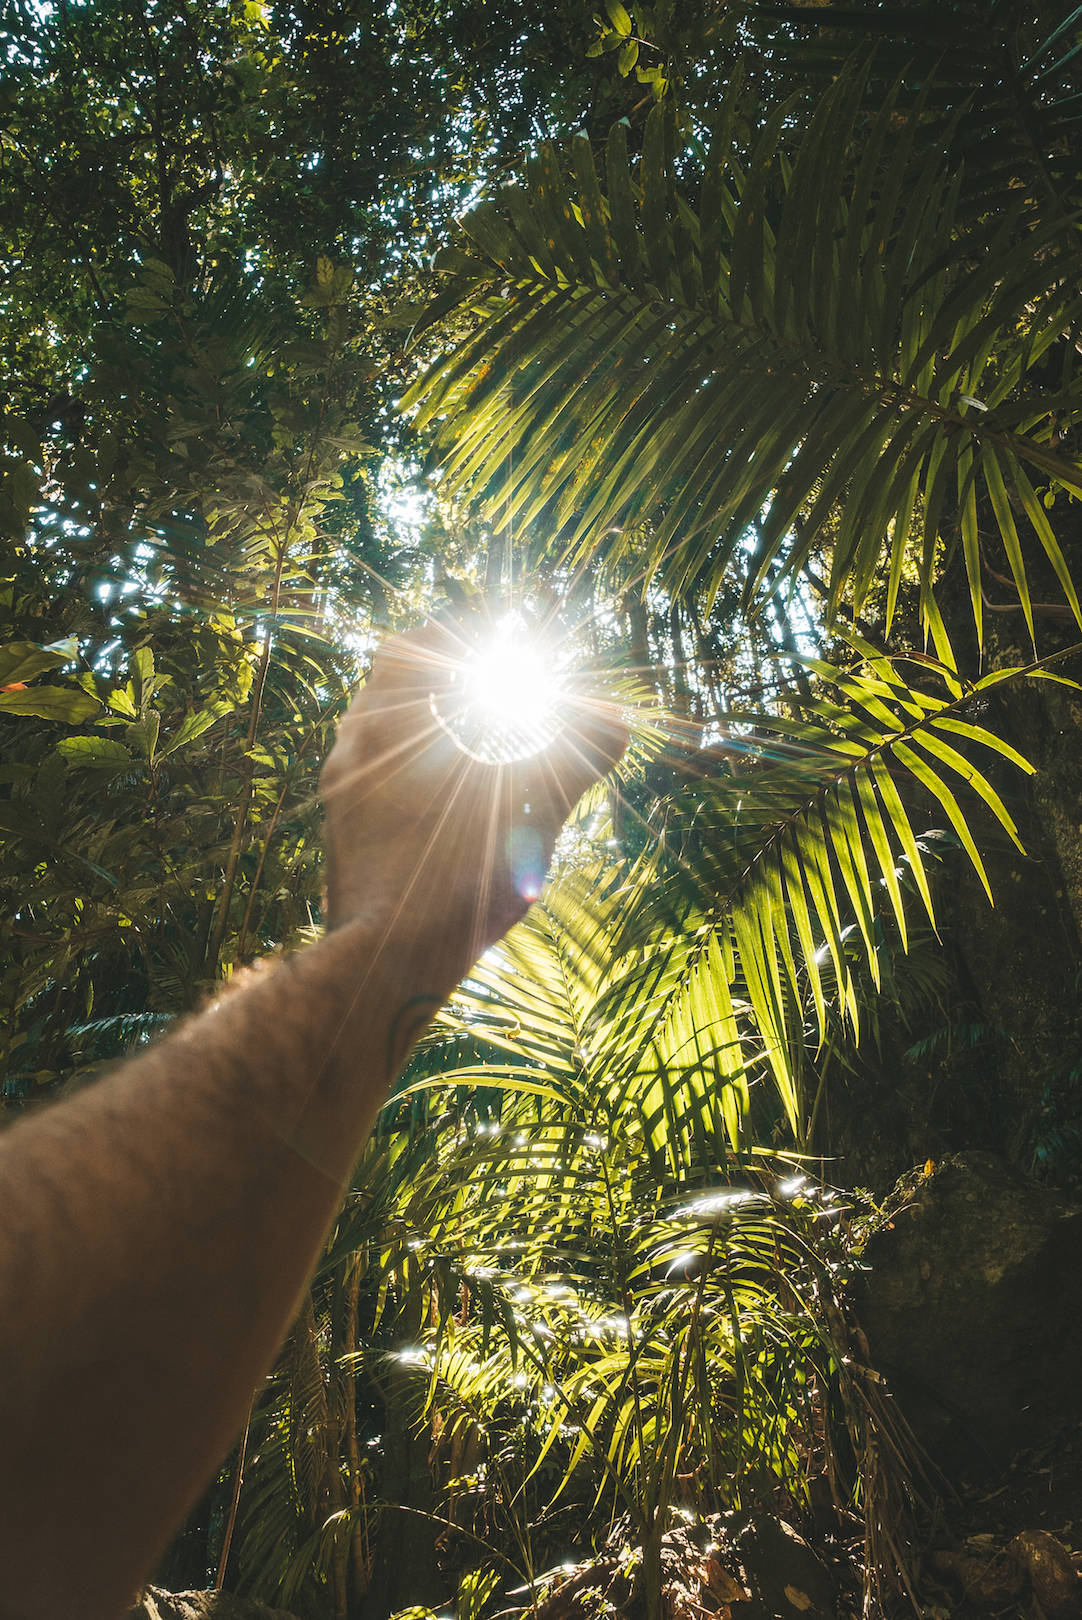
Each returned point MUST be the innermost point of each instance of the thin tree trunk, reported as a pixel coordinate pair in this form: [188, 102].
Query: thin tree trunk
[651, 1570]
[240, 823]
[238, 1480]
[635, 608]
[358, 1541]
[682, 694]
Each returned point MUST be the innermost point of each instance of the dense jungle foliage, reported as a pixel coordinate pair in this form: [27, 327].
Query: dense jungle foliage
[743, 342]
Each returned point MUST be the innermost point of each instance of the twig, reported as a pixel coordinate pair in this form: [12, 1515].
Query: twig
[238, 1479]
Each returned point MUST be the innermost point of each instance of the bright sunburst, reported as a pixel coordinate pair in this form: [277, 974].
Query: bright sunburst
[503, 700]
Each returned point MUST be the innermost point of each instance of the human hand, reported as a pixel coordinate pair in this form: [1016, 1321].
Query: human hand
[427, 844]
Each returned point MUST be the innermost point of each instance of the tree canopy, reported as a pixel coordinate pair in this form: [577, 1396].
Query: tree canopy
[740, 346]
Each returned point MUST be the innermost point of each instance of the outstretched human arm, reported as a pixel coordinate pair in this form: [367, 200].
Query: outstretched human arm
[156, 1230]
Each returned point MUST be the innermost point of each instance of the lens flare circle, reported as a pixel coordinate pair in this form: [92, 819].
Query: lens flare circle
[502, 700]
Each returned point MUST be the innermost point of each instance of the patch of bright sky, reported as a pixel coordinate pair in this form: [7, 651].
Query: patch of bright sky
[402, 505]
[404, 502]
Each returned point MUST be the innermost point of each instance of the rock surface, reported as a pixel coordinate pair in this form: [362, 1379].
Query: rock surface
[972, 1306]
[988, 1578]
[157, 1604]
[994, 1579]
[784, 1576]
[1052, 1574]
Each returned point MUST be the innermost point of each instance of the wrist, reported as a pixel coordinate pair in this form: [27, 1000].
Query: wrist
[387, 959]
[431, 927]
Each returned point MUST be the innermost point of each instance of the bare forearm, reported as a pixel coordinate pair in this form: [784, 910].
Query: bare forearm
[123, 1364]
[156, 1231]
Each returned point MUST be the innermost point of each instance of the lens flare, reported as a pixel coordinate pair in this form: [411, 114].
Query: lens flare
[503, 699]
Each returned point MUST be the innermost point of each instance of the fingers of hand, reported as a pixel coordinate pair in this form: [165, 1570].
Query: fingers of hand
[414, 665]
[391, 740]
[390, 724]
[591, 743]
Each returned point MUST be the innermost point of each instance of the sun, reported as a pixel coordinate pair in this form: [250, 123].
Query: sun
[503, 699]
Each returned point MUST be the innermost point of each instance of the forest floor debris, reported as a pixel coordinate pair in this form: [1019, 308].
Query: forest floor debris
[1003, 1548]
[733, 1566]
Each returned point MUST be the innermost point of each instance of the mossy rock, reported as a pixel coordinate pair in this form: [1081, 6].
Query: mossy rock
[972, 1305]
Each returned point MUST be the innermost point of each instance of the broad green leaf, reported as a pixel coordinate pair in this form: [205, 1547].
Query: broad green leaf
[194, 725]
[97, 751]
[20, 661]
[51, 703]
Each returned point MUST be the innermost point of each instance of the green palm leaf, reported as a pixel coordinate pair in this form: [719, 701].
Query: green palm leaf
[822, 341]
[729, 949]
[788, 868]
[1010, 70]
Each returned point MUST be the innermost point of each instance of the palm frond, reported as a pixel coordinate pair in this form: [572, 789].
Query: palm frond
[1001, 81]
[822, 339]
[778, 878]
[698, 1347]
